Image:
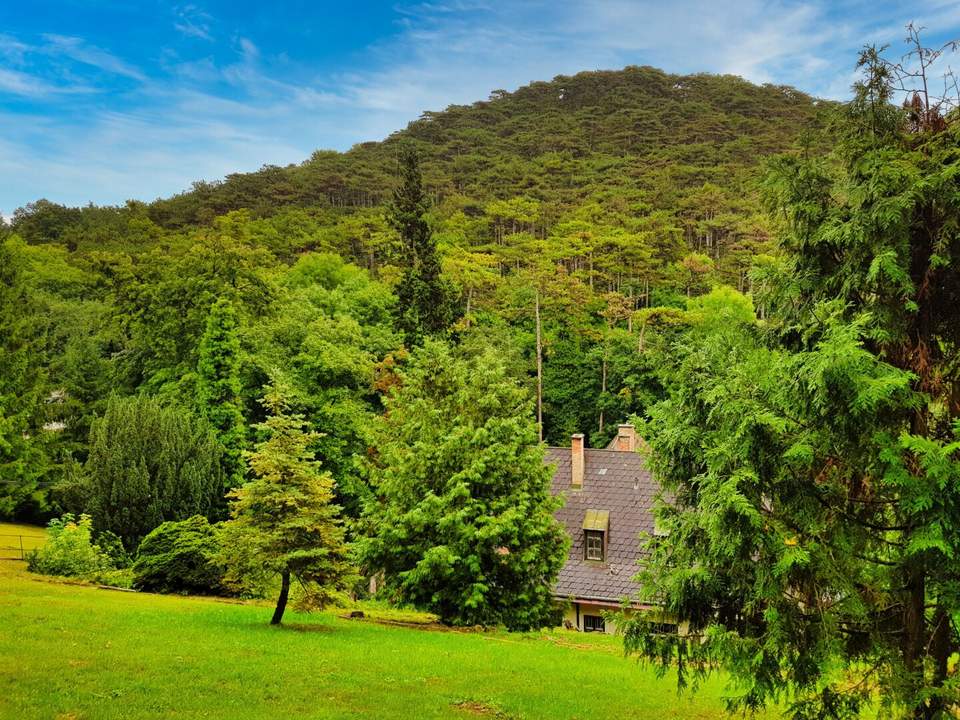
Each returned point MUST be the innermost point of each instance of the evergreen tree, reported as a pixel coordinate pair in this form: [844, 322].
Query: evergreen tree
[149, 463]
[21, 456]
[463, 524]
[283, 521]
[426, 301]
[218, 387]
[814, 532]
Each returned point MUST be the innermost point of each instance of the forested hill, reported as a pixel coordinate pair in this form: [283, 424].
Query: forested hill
[639, 131]
[560, 213]
[634, 142]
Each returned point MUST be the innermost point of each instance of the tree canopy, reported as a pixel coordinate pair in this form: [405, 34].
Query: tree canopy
[811, 458]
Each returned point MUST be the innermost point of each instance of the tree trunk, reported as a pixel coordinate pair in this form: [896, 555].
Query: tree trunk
[282, 600]
[539, 369]
[941, 648]
[914, 635]
[603, 382]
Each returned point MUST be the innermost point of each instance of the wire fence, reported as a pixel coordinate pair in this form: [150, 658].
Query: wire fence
[16, 547]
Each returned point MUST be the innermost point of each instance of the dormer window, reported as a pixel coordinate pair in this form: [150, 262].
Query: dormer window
[594, 544]
[595, 526]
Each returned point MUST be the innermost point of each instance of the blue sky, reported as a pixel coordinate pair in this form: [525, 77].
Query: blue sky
[106, 100]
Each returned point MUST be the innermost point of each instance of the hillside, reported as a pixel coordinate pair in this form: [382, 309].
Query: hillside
[639, 131]
[636, 141]
[562, 208]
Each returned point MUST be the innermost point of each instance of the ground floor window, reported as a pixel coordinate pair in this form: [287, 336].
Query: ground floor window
[663, 628]
[593, 623]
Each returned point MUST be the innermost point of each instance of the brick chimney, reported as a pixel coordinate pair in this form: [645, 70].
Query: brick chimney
[626, 438]
[576, 461]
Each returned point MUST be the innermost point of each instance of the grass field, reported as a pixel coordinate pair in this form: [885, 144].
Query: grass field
[18, 539]
[74, 651]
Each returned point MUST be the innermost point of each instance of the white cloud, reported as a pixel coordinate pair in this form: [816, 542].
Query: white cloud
[14, 82]
[193, 22]
[78, 50]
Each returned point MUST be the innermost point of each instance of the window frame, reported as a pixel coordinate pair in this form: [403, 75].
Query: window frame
[589, 535]
[596, 621]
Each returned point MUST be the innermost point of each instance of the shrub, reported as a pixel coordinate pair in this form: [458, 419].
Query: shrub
[69, 550]
[112, 546]
[180, 557]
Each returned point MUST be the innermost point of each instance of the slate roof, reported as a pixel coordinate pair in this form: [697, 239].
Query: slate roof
[618, 482]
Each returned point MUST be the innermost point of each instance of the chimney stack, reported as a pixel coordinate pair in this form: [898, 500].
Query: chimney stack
[576, 461]
[626, 438]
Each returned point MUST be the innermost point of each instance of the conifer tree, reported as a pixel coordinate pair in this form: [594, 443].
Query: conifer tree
[283, 521]
[149, 463]
[426, 300]
[218, 387]
[21, 457]
[813, 459]
[463, 523]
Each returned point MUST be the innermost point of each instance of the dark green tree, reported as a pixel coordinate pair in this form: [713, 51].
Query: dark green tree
[22, 460]
[149, 463]
[284, 522]
[219, 387]
[463, 523]
[426, 301]
[814, 459]
[180, 556]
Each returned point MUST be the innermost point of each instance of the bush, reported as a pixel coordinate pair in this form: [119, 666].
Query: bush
[112, 546]
[69, 550]
[180, 557]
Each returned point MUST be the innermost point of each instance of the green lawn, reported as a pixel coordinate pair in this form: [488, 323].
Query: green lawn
[15, 539]
[74, 651]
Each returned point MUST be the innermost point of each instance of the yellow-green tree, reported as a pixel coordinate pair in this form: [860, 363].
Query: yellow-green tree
[284, 522]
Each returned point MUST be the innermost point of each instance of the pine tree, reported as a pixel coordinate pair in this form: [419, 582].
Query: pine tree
[21, 457]
[463, 522]
[283, 521]
[427, 302]
[218, 387]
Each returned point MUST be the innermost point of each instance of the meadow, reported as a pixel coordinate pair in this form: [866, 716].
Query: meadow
[73, 651]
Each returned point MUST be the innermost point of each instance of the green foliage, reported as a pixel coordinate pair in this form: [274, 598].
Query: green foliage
[811, 458]
[219, 388]
[149, 463]
[111, 545]
[425, 300]
[283, 521]
[462, 523]
[331, 327]
[69, 550]
[22, 462]
[180, 557]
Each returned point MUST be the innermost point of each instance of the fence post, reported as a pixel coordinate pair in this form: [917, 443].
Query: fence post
[21, 547]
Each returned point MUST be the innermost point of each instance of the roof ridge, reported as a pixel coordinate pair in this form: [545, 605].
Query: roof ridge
[605, 450]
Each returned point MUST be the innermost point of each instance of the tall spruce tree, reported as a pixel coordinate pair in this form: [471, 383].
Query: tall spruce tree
[814, 459]
[462, 524]
[21, 456]
[283, 521]
[218, 387]
[426, 301]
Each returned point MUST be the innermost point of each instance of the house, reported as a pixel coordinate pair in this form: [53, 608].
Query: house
[610, 496]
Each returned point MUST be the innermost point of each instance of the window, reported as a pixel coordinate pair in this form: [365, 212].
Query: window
[593, 623]
[663, 628]
[593, 544]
